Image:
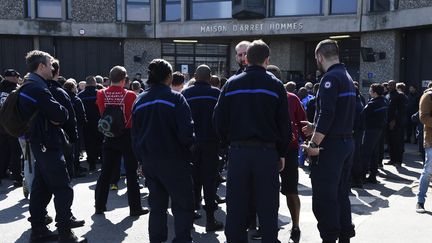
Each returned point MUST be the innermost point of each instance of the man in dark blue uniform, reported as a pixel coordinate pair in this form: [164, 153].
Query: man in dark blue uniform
[396, 124]
[70, 126]
[50, 174]
[375, 117]
[252, 116]
[202, 98]
[162, 135]
[10, 150]
[332, 139]
[92, 137]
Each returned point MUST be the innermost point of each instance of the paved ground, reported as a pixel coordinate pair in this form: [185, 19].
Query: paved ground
[382, 213]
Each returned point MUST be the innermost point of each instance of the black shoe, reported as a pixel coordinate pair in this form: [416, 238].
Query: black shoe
[43, 235]
[197, 215]
[214, 225]
[358, 185]
[67, 236]
[295, 235]
[75, 223]
[257, 235]
[48, 219]
[79, 175]
[372, 180]
[82, 169]
[420, 208]
[328, 241]
[139, 212]
[100, 210]
[220, 200]
[92, 167]
[18, 184]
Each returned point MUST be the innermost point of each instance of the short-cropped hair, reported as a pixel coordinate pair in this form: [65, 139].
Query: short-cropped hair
[36, 57]
[328, 48]
[377, 88]
[117, 74]
[257, 52]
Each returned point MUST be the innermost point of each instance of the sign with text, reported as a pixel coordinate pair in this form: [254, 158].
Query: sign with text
[283, 26]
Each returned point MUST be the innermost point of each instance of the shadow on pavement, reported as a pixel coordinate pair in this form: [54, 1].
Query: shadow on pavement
[101, 225]
[15, 212]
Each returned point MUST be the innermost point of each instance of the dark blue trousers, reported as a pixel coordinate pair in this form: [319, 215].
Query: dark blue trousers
[205, 171]
[357, 170]
[330, 188]
[370, 151]
[257, 168]
[50, 178]
[169, 179]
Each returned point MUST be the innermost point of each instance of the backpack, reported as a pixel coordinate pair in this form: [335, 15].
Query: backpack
[11, 120]
[112, 122]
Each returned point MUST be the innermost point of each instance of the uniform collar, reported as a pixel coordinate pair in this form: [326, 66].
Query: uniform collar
[335, 66]
[38, 79]
[255, 68]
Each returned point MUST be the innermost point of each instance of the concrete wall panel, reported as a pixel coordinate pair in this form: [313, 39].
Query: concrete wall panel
[146, 49]
[94, 10]
[11, 9]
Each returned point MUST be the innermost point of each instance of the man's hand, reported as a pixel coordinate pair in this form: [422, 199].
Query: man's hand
[281, 164]
[308, 128]
[309, 150]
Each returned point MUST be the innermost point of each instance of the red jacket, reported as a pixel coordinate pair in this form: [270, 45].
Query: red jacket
[297, 114]
[115, 95]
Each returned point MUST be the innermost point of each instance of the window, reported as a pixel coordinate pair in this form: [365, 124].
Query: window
[27, 8]
[343, 6]
[49, 9]
[210, 9]
[296, 7]
[119, 10]
[193, 55]
[171, 10]
[137, 10]
[380, 5]
[69, 9]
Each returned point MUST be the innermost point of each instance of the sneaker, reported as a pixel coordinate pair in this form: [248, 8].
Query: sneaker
[420, 208]
[114, 187]
[295, 235]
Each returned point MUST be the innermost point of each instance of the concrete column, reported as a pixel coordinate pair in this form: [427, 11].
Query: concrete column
[183, 10]
[33, 9]
[381, 70]
[325, 7]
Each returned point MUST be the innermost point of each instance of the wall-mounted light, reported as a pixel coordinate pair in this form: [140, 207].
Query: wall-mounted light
[82, 32]
[336, 37]
[185, 41]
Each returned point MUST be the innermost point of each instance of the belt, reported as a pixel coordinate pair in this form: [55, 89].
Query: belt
[252, 143]
[339, 135]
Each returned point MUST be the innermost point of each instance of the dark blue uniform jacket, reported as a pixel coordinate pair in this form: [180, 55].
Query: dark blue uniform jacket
[336, 102]
[162, 126]
[202, 98]
[36, 96]
[254, 106]
[62, 97]
[88, 98]
[375, 113]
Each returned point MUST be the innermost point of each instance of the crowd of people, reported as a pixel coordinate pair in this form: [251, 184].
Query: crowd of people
[181, 134]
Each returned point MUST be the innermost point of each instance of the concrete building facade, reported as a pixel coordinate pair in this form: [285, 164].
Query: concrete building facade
[379, 39]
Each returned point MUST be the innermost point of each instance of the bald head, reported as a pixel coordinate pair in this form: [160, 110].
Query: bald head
[392, 85]
[203, 73]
